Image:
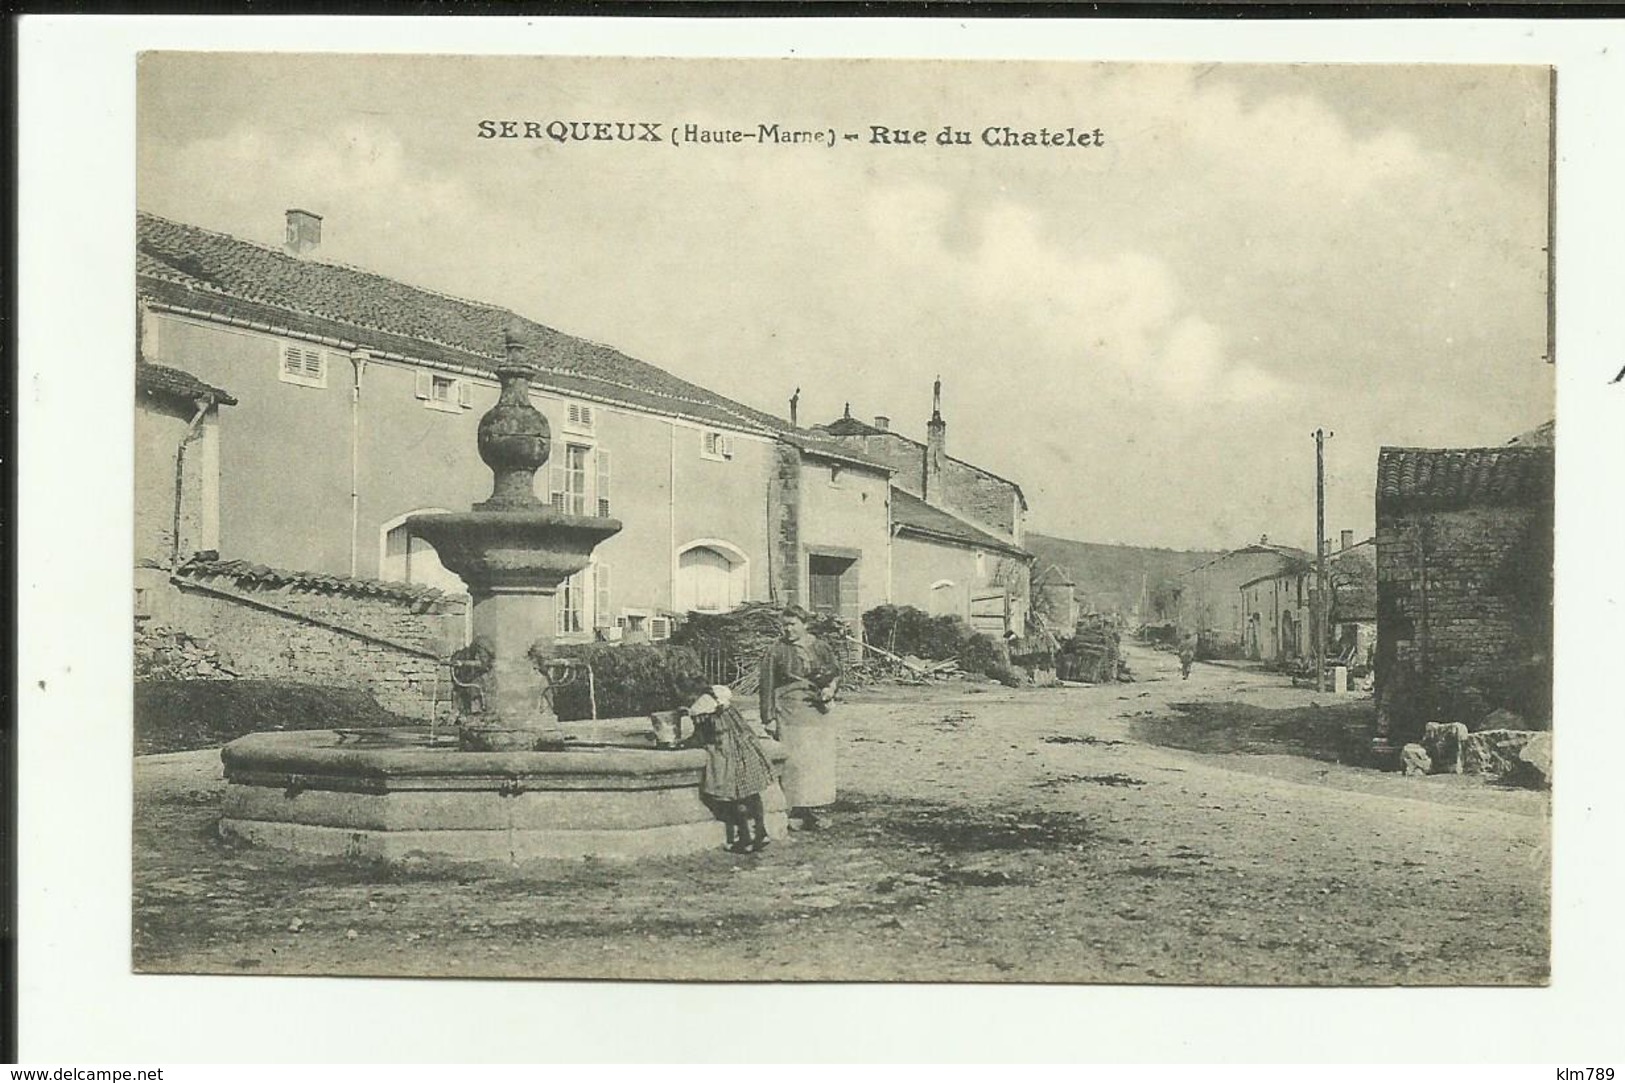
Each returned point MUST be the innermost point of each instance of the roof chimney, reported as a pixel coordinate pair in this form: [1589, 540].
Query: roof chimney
[936, 447]
[882, 422]
[304, 233]
[1347, 540]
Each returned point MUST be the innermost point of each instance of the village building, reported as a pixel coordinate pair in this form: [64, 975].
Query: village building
[357, 399]
[1279, 608]
[1210, 603]
[1464, 585]
[957, 529]
[177, 460]
[1055, 600]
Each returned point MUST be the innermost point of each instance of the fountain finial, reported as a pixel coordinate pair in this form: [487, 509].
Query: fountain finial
[514, 437]
[515, 348]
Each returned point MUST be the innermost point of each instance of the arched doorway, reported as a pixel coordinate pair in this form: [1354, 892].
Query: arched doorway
[712, 577]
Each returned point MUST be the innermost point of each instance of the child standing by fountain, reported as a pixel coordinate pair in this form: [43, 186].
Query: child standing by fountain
[737, 768]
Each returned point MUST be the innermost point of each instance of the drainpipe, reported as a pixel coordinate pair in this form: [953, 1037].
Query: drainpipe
[671, 512]
[358, 361]
[193, 431]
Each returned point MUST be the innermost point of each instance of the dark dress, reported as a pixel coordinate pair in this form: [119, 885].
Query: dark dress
[736, 766]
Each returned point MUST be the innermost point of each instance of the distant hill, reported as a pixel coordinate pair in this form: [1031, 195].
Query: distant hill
[1108, 577]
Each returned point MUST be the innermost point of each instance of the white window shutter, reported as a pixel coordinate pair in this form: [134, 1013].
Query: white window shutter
[292, 363]
[586, 417]
[313, 364]
[603, 482]
[425, 385]
[465, 394]
[727, 447]
[555, 485]
[600, 580]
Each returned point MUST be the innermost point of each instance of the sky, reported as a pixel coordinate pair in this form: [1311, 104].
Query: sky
[1144, 334]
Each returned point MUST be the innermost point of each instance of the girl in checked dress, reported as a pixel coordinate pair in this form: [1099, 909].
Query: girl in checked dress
[737, 768]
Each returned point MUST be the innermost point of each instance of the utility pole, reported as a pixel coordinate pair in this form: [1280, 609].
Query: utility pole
[1321, 436]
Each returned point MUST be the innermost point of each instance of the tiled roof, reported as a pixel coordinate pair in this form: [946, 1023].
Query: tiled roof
[818, 444]
[909, 512]
[218, 275]
[1443, 477]
[161, 379]
[851, 426]
[246, 574]
[1292, 558]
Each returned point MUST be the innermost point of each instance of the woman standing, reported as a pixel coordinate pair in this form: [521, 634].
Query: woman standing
[799, 676]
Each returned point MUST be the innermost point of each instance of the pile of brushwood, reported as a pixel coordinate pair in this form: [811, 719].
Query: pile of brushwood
[739, 636]
[916, 640]
[626, 679]
[1093, 655]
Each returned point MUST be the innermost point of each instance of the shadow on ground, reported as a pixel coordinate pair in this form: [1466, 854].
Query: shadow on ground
[1337, 733]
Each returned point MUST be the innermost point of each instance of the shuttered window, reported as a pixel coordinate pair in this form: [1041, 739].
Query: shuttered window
[304, 366]
[716, 445]
[569, 620]
[601, 617]
[578, 417]
[441, 392]
[602, 493]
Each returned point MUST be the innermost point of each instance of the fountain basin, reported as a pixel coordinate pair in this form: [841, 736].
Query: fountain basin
[319, 792]
[516, 549]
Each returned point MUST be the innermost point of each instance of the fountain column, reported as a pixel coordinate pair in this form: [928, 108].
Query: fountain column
[512, 550]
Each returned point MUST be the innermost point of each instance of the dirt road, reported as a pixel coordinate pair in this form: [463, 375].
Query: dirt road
[984, 834]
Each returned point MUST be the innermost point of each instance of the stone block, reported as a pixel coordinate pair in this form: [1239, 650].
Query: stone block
[1444, 742]
[1535, 761]
[1495, 753]
[1414, 760]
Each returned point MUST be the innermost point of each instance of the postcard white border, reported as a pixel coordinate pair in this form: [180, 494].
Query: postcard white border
[79, 1001]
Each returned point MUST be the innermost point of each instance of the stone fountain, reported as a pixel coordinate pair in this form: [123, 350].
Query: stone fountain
[512, 551]
[518, 785]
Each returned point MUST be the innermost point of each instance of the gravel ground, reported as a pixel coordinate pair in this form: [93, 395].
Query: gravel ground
[984, 834]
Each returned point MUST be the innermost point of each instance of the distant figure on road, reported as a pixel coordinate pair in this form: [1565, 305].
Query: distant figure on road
[1187, 656]
[799, 675]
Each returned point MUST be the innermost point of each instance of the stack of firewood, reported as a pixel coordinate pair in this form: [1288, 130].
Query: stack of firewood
[1094, 654]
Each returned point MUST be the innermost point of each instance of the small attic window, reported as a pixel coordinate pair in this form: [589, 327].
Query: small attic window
[304, 366]
[579, 417]
[441, 392]
[716, 445]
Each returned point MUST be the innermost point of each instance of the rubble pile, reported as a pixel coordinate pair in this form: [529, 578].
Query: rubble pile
[169, 654]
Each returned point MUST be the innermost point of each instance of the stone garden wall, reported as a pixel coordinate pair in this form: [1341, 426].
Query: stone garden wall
[388, 639]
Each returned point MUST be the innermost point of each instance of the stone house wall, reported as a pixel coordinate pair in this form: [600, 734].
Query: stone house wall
[1464, 616]
[967, 491]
